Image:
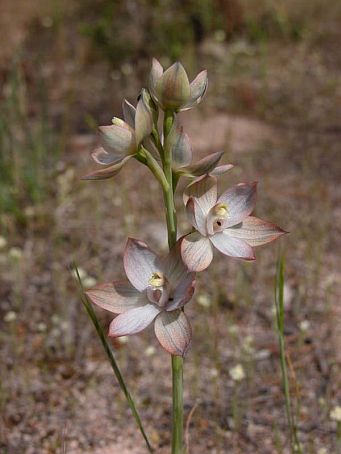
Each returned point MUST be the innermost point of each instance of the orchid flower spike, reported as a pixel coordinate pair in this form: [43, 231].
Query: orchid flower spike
[179, 145]
[223, 222]
[120, 141]
[171, 89]
[156, 290]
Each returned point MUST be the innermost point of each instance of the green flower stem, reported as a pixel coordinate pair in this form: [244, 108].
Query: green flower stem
[155, 169]
[178, 405]
[177, 361]
[169, 195]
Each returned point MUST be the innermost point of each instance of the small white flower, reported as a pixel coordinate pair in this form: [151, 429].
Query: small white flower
[41, 327]
[3, 242]
[10, 317]
[15, 253]
[304, 325]
[237, 373]
[204, 300]
[149, 351]
[335, 414]
[89, 282]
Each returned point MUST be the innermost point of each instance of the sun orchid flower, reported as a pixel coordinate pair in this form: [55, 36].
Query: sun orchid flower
[171, 89]
[156, 290]
[223, 222]
[120, 141]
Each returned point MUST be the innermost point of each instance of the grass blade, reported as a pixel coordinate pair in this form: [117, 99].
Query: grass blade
[279, 306]
[107, 348]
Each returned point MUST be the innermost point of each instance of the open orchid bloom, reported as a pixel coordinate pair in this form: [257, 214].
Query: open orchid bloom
[171, 89]
[120, 141]
[178, 143]
[156, 290]
[223, 222]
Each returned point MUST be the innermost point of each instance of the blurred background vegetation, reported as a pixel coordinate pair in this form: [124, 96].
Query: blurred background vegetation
[274, 105]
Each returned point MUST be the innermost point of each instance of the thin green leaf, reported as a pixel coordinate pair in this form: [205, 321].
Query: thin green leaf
[103, 338]
[279, 306]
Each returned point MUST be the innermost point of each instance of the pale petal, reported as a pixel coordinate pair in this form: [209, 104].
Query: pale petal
[104, 174]
[234, 247]
[196, 216]
[183, 292]
[117, 139]
[133, 321]
[205, 165]
[198, 89]
[104, 158]
[173, 266]
[173, 331]
[155, 78]
[129, 112]
[196, 251]
[174, 87]
[255, 231]
[140, 263]
[143, 121]
[179, 145]
[220, 170]
[204, 190]
[116, 297]
[240, 201]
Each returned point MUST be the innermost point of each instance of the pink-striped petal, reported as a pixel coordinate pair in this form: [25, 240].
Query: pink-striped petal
[204, 190]
[173, 266]
[173, 331]
[117, 138]
[179, 145]
[129, 112]
[183, 292]
[234, 247]
[143, 120]
[174, 87]
[198, 89]
[155, 79]
[196, 251]
[240, 201]
[104, 174]
[255, 231]
[220, 170]
[133, 321]
[140, 263]
[204, 166]
[196, 215]
[116, 297]
[104, 158]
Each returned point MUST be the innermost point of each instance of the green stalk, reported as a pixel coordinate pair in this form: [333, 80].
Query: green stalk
[279, 306]
[92, 315]
[177, 361]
